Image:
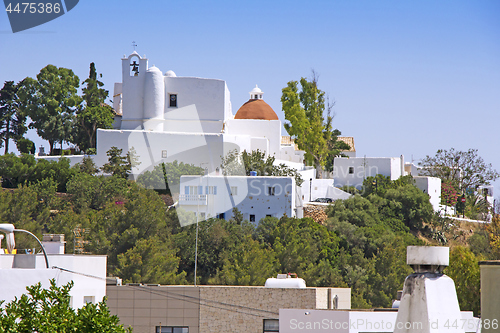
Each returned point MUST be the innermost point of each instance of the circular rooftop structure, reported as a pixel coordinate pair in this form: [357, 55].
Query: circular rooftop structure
[170, 73]
[256, 109]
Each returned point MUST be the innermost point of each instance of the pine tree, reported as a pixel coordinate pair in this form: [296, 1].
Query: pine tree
[51, 101]
[12, 121]
[117, 165]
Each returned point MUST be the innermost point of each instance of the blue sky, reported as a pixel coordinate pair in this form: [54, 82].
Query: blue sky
[408, 77]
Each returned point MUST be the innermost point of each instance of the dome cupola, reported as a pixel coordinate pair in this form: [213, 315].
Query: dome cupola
[256, 108]
[256, 93]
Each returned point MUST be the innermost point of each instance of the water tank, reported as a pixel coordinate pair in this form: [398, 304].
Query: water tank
[289, 280]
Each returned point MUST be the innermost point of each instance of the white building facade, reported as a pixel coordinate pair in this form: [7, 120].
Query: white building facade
[352, 171]
[431, 186]
[256, 197]
[88, 272]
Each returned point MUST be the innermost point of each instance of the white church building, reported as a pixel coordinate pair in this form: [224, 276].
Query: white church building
[168, 118]
[189, 119]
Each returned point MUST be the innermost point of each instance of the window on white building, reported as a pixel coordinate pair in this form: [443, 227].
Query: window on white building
[252, 218]
[211, 189]
[163, 154]
[234, 190]
[173, 100]
[351, 170]
[88, 299]
[193, 190]
[271, 190]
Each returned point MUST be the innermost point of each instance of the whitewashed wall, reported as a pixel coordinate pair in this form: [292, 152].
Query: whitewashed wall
[252, 196]
[365, 167]
[91, 281]
[431, 186]
[198, 101]
[269, 129]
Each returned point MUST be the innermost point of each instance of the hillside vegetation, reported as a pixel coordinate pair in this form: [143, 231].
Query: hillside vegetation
[361, 245]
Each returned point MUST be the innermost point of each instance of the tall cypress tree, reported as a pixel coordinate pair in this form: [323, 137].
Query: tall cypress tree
[95, 113]
[12, 120]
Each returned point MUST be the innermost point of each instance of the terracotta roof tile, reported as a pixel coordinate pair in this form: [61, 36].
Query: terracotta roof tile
[256, 109]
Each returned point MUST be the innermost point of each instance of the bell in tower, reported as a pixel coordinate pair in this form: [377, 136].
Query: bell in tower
[134, 68]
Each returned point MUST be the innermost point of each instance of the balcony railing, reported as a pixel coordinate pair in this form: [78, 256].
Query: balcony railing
[193, 199]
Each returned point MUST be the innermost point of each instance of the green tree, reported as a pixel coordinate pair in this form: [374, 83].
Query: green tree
[21, 210]
[94, 192]
[51, 101]
[308, 125]
[135, 215]
[372, 242]
[237, 216]
[25, 146]
[301, 244]
[466, 169]
[12, 120]
[48, 310]
[16, 170]
[60, 171]
[87, 166]
[410, 205]
[151, 260]
[355, 210]
[217, 238]
[336, 148]
[400, 204]
[46, 193]
[479, 243]
[389, 274]
[234, 164]
[94, 113]
[377, 184]
[165, 177]
[249, 264]
[117, 165]
[465, 272]
[493, 230]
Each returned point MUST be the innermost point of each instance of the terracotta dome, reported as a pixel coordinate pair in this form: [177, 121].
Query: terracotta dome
[256, 109]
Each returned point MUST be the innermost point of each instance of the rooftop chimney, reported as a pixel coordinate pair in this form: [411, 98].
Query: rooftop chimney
[429, 300]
